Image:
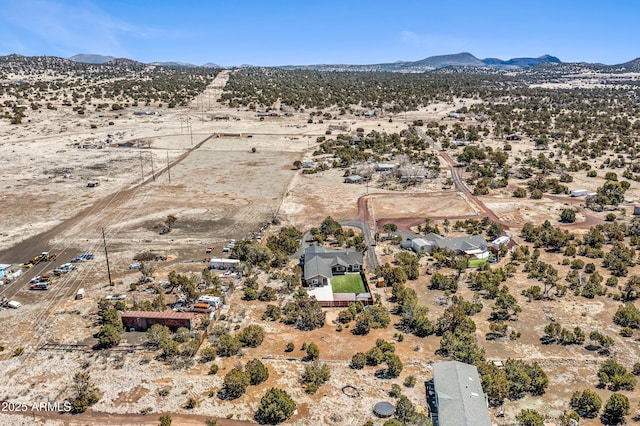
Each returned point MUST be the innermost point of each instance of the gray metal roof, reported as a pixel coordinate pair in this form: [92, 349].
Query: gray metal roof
[461, 401]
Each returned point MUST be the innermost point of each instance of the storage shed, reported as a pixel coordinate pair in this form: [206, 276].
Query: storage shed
[142, 320]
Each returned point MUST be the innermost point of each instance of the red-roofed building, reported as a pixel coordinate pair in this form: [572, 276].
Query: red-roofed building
[142, 320]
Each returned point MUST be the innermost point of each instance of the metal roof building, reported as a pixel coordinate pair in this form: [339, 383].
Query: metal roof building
[459, 397]
[142, 320]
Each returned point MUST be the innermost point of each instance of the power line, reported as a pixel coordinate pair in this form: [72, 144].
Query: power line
[106, 254]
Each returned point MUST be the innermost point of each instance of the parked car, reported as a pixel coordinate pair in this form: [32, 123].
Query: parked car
[39, 286]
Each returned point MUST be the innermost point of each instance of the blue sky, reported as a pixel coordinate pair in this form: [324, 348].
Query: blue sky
[281, 32]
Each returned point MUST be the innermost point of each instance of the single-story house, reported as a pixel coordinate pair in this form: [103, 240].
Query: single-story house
[307, 164]
[513, 137]
[321, 264]
[143, 320]
[473, 245]
[456, 397]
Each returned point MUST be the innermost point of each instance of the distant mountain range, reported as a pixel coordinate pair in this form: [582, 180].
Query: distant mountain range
[464, 59]
[433, 62]
[88, 58]
[458, 61]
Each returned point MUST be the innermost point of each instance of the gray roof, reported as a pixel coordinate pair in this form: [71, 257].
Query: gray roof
[458, 244]
[316, 266]
[461, 401]
[314, 249]
[319, 261]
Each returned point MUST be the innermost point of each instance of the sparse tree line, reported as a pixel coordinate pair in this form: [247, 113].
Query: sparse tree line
[81, 86]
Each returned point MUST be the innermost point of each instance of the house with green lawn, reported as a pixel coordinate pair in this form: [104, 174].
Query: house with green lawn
[320, 265]
[335, 278]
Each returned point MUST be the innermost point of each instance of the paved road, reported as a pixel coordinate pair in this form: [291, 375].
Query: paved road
[372, 259]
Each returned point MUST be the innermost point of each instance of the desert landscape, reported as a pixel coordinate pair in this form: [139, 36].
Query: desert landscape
[153, 190]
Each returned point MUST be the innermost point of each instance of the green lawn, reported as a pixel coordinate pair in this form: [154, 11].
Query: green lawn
[348, 283]
[473, 263]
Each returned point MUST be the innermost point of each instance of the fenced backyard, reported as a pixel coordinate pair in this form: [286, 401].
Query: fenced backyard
[348, 283]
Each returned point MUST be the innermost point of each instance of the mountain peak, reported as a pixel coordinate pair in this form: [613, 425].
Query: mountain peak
[456, 59]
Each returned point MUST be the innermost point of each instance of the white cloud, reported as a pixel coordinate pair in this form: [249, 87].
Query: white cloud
[76, 27]
[413, 39]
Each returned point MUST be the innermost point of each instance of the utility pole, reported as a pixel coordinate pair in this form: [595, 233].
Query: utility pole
[141, 169]
[104, 240]
[168, 168]
[153, 173]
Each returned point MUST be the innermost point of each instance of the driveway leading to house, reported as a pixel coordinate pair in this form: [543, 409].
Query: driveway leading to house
[372, 259]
